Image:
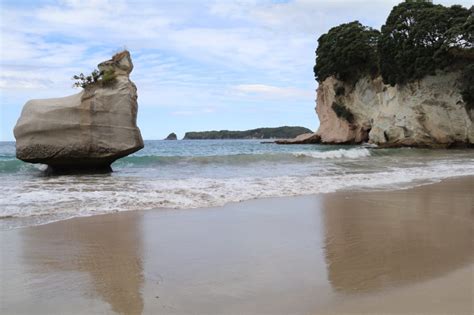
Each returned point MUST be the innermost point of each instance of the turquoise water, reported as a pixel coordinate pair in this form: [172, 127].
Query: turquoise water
[201, 173]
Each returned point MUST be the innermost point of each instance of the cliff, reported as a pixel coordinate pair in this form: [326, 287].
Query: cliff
[426, 113]
[85, 131]
[259, 133]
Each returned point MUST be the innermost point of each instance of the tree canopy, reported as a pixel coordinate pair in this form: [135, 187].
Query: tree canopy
[347, 51]
[419, 37]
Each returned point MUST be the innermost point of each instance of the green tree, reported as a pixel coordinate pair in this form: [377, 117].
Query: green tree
[347, 51]
[419, 37]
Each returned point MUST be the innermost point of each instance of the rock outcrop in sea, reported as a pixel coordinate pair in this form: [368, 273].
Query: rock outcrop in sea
[306, 138]
[171, 136]
[426, 113]
[87, 131]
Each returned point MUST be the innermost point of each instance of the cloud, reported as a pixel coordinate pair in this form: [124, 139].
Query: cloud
[269, 91]
[195, 111]
[17, 78]
[187, 53]
[309, 16]
[183, 113]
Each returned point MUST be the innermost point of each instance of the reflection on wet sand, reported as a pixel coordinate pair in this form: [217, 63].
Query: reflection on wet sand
[112, 258]
[305, 255]
[379, 240]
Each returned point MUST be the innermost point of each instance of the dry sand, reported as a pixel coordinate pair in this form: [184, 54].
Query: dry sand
[394, 252]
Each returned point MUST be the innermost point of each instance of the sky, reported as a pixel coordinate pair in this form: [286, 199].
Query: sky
[198, 65]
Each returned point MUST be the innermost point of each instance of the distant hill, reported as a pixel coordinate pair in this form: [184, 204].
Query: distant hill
[259, 133]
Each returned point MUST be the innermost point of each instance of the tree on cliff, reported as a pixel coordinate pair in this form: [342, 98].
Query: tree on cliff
[347, 51]
[419, 37]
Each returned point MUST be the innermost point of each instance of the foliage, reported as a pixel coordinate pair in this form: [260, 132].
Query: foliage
[83, 81]
[259, 133]
[102, 78]
[343, 112]
[467, 89]
[419, 37]
[347, 51]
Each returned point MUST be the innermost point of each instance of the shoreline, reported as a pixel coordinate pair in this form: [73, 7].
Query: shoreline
[380, 188]
[353, 251]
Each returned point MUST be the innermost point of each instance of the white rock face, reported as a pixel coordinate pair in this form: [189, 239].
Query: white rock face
[429, 112]
[88, 130]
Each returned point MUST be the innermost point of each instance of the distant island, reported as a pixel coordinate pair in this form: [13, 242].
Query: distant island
[171, 136]
[259, 133]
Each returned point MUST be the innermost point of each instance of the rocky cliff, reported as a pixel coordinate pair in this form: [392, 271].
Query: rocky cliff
[85, 131]
[427, 113]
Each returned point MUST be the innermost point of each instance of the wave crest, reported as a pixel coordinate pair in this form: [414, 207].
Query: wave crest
[337, 154]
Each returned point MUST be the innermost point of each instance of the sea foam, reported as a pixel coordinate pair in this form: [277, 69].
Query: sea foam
[337, 154]
[187, 174]
[67, 197]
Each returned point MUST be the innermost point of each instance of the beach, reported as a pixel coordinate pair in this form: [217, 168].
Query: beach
[391, 251]
[277, 157]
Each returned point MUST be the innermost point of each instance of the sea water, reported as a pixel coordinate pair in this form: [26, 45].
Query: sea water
[205, 173]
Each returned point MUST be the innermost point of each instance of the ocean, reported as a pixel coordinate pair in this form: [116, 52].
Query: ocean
[205, 173]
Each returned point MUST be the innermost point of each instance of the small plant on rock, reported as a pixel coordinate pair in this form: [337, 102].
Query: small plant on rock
[96, 78]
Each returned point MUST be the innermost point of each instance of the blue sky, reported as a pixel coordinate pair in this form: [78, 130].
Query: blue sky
[199, 65]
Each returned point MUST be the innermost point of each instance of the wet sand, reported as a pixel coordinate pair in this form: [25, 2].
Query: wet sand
[393, 252]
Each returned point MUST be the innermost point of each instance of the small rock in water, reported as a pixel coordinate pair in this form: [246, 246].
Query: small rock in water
[171, 136]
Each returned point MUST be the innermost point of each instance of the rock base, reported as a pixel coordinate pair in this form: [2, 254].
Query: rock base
[306, 138]
[78, 169]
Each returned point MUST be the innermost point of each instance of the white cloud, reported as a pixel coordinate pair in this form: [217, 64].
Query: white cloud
[187, 53]
[183, 113]
[194, 112]
[273, 91]
[310, 16]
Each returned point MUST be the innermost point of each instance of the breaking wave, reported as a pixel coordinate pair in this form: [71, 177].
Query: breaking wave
[67, 197]
[203, 174]
[12, 165]
[337, 154]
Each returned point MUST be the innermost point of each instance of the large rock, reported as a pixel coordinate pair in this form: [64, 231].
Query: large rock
[426, 113]
[85, 131]
[305, 138]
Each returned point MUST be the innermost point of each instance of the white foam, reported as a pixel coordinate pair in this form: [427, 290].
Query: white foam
[67, 196]
[336, 154]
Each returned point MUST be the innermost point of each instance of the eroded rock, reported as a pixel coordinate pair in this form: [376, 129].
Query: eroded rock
[426, 113]
[86, 131]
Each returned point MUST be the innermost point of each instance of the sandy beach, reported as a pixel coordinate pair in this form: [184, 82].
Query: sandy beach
[382, 252]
